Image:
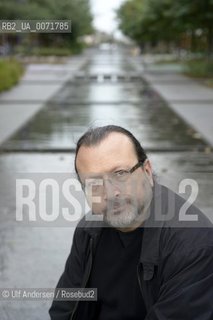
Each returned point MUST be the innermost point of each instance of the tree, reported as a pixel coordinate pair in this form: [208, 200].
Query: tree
[130, 19]
[196, 15]
[147, 20]
[78, 11]
[166, 20]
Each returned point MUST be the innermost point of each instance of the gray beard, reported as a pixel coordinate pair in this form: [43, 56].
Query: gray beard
[135, 213]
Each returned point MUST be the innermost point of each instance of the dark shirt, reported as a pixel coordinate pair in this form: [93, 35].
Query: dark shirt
[114, 274]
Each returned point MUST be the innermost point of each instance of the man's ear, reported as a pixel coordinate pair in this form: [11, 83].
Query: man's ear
[148, 171]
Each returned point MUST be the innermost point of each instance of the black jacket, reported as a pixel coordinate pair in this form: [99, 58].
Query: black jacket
[175, 271]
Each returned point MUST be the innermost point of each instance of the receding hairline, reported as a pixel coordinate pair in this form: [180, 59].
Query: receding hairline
[92, 147]
[91, 144]
[95, 136]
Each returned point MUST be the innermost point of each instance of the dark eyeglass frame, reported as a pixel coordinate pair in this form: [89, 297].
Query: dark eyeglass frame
[139, 164]
[126, 173]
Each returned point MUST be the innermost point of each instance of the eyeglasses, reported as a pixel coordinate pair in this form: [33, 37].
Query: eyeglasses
[116, 177]
[123, 175]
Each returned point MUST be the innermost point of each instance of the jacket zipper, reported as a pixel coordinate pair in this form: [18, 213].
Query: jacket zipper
[87, 278]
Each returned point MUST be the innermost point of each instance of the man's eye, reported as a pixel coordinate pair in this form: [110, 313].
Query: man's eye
[120, 173]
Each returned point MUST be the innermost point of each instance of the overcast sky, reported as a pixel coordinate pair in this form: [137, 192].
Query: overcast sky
[104, 15]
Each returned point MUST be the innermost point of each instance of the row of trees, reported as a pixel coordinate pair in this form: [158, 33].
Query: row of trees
[170, 21]
[78, 11]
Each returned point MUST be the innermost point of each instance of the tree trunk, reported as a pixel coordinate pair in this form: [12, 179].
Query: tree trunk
[210, 42]
[193, 41]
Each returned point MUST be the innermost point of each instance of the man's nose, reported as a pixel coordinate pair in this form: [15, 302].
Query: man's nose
[110, 189]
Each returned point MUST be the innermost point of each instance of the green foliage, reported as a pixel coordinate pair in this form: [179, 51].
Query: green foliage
[10, 73]
[199, 68]
[78, 11]
[130, 16]
[210, 83]
[166, 20]
[45, 51]
[148, 20]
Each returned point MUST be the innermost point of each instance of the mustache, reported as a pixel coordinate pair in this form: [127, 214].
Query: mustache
[119, 201]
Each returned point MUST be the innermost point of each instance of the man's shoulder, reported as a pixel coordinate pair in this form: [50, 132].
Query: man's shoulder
[184, 226]
[176, 211]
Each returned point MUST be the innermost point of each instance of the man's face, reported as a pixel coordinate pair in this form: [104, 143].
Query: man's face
[122, 201]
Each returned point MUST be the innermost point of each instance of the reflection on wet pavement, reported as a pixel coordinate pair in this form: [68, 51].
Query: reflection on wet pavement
[61, 122]
[130, 104]
[34, 257]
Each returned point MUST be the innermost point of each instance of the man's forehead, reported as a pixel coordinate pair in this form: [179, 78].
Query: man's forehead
[114, 140]
[115, 150]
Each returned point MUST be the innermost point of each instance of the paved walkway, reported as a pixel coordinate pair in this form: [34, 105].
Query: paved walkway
[38, 84]
[189, 98]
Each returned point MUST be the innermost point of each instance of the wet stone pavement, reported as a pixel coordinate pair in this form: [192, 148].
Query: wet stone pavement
[108, 90]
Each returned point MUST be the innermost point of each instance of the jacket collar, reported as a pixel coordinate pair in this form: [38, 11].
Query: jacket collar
[153, 228]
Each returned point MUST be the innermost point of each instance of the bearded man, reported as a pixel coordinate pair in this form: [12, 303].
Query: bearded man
[145, 262]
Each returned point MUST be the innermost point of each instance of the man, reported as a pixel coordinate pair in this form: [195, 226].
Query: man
[144, 261]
